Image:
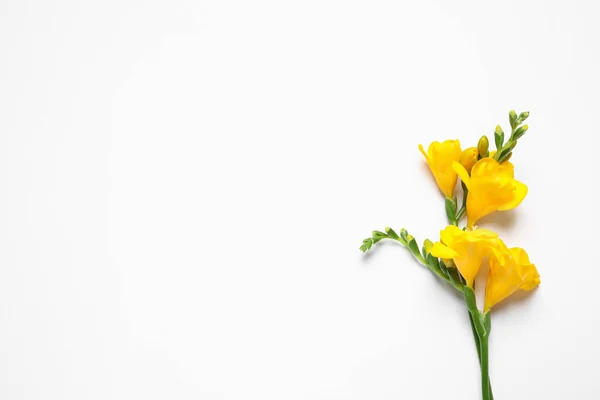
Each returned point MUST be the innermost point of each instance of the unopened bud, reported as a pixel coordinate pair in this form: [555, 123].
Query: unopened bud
[428, 244]
[520, 132]
[482, 146]
[523, 116]
[468, 158]
[512, 117]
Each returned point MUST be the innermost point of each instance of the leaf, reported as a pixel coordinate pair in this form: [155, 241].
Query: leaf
[451, 209]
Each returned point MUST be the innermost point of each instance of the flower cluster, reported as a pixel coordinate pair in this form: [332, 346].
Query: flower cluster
[488, 184]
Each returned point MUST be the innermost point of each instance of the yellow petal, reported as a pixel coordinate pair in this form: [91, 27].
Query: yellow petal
[466, 248]
[442, 251]
[449, 233]
[510, 270]
[462, 172]
[518, 196]
[423, 152]
[492, 188]
[440, 157]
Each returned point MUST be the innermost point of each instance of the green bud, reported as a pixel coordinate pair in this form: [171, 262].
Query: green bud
[413, 247]
[427, 245]
[512, 117]
[499, 137]
[404, 234]
[483, 146]
[523, 116]
[433, 262]
[391, 233]
[520, 132]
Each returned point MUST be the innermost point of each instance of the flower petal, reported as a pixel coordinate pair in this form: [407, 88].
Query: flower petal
[442, 251]
[462, 172]
[518, 196]
[423, 152]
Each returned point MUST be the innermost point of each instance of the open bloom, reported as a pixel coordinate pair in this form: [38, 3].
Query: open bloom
[510, 270]
[440, 157]
[466, 248]
[491, 187]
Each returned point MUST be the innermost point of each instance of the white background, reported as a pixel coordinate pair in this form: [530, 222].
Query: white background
[185, 185]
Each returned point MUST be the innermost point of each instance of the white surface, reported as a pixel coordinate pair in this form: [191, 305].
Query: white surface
[184, 187]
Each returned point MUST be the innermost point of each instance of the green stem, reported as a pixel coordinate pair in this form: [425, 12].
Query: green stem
[478, 347]
[481, 325]
[476, 337]
[485, 378]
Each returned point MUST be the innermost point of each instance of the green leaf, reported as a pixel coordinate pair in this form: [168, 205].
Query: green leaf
[499, 137]
[379, 234]
[366, 245]
[451, 209]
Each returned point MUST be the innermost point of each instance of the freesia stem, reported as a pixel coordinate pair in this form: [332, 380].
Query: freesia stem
[481, 325]
[485, 378]
[478, 347]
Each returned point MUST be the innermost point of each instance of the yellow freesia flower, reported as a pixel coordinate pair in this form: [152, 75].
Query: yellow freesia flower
[491, 187]
[510, 270]
[440, 157]
[466, 248]
[468, 158]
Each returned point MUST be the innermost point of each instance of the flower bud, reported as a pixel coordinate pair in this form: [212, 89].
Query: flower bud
[520, 132]
[523, 116]
[499, 137]
[468, 158]
[428, 244]
[483, 146]
[512, 116]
